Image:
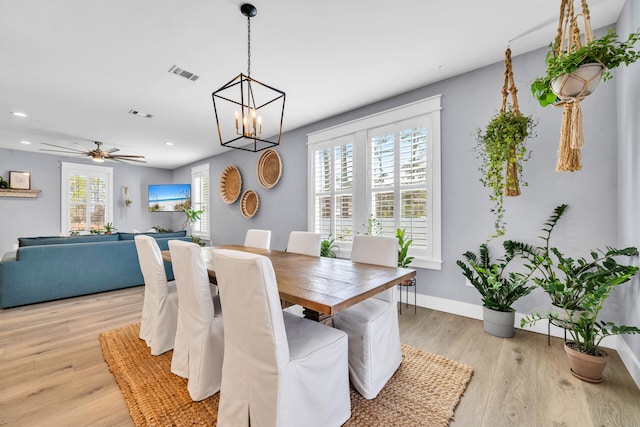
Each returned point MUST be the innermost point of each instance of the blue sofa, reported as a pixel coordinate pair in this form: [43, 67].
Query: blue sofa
[51, 268]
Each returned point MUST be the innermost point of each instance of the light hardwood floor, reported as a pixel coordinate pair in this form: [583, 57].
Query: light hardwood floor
[52, 372]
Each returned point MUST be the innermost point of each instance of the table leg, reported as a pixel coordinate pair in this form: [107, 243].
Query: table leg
[325, 319]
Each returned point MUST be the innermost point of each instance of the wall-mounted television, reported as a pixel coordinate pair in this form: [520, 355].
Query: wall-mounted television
[169, 197]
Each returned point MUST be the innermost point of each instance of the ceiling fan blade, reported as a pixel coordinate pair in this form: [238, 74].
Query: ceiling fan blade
[139, 159]
[64, 148]
[80, 145]
[113, 150]
[127, 156]
[60, 151]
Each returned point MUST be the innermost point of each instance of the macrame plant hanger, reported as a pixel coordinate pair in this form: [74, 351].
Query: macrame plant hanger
[512, 187]
[568, 40]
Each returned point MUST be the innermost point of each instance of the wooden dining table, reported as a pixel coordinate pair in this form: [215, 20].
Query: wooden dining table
[323, 286]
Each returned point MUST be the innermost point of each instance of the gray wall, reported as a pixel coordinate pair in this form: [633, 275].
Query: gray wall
[628, 102]
[468, 101]
[24, 217]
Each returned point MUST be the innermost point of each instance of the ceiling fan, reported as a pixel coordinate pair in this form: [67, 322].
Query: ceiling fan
[97, 154]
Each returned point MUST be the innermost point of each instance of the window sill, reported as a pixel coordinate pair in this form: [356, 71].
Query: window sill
[418, 262]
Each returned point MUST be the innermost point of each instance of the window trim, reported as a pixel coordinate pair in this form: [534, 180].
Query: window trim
[202, 170]
[358, 128]
[66, 169]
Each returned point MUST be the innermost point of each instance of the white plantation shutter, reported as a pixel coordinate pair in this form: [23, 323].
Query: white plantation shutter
[86, 197]
[200, 200]
[333, 190]
[399, 178]
[387, 166]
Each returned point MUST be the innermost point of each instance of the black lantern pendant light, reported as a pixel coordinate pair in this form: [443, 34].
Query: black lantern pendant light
[248, 113]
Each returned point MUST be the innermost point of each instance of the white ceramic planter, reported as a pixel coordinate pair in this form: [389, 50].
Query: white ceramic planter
[582, 82]
[498, 323]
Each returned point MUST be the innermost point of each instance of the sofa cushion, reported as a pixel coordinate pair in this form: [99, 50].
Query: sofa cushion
[56, 240]
[130, 236]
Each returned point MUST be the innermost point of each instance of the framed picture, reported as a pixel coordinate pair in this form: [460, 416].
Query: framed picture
[20, 180]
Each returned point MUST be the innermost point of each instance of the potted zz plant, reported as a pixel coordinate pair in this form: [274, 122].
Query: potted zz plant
[499, 289]
[577, 73]
[579, 288]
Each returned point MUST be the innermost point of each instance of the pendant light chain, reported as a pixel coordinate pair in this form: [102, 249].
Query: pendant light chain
[248, 46]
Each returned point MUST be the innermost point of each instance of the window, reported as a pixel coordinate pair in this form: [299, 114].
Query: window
[86, 197]
[200, 200]
[383, 168]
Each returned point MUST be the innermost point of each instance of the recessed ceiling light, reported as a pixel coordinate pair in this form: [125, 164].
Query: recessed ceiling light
[168, 143]
[18, 114]
[25, 142]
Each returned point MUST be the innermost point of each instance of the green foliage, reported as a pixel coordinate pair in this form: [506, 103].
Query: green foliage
[373, 227]
[498, 145]
[197, 239]
[327, 247]
[607, 50]
[95, 231]
[192, 216]
[162, 230]
[403, 248]
[499, 289]
[109, 228]
[3, 183]
[566, 280]
[579, 285]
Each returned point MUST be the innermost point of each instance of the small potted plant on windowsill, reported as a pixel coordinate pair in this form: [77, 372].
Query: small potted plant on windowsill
[109, 228]
[598, 56]
[328, 247]
[499, 289]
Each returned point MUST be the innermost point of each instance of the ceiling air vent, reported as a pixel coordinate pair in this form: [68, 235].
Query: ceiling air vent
[183, 73]
[140, 113]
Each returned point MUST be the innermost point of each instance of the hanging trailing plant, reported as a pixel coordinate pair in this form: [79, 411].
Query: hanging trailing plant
[501, 149]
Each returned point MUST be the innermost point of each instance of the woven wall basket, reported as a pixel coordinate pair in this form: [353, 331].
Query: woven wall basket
[230, 184]
[249, 203]
[269, 168]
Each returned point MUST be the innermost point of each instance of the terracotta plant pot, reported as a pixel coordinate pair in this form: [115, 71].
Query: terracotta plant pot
[582, 82]
[584, 366]
[498, 323]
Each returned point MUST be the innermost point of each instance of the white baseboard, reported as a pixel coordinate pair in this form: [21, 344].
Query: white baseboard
[475, 312]
[629, 359]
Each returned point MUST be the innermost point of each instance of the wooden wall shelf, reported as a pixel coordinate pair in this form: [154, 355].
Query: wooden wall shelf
[8, 192]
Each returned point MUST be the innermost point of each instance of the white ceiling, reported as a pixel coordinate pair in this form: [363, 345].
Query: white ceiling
[76, 67]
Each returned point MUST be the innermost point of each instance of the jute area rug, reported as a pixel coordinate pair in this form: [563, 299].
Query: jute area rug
[424, 391]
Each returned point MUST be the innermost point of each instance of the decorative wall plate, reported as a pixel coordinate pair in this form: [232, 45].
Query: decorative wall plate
[230, 184]
[269, 169]
[249, 203]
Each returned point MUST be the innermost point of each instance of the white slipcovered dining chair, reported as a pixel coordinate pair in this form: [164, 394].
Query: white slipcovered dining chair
[279, 369]
[372, 324]
[258, 239]
[304, 242]
[160, 305]
[199, 344]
